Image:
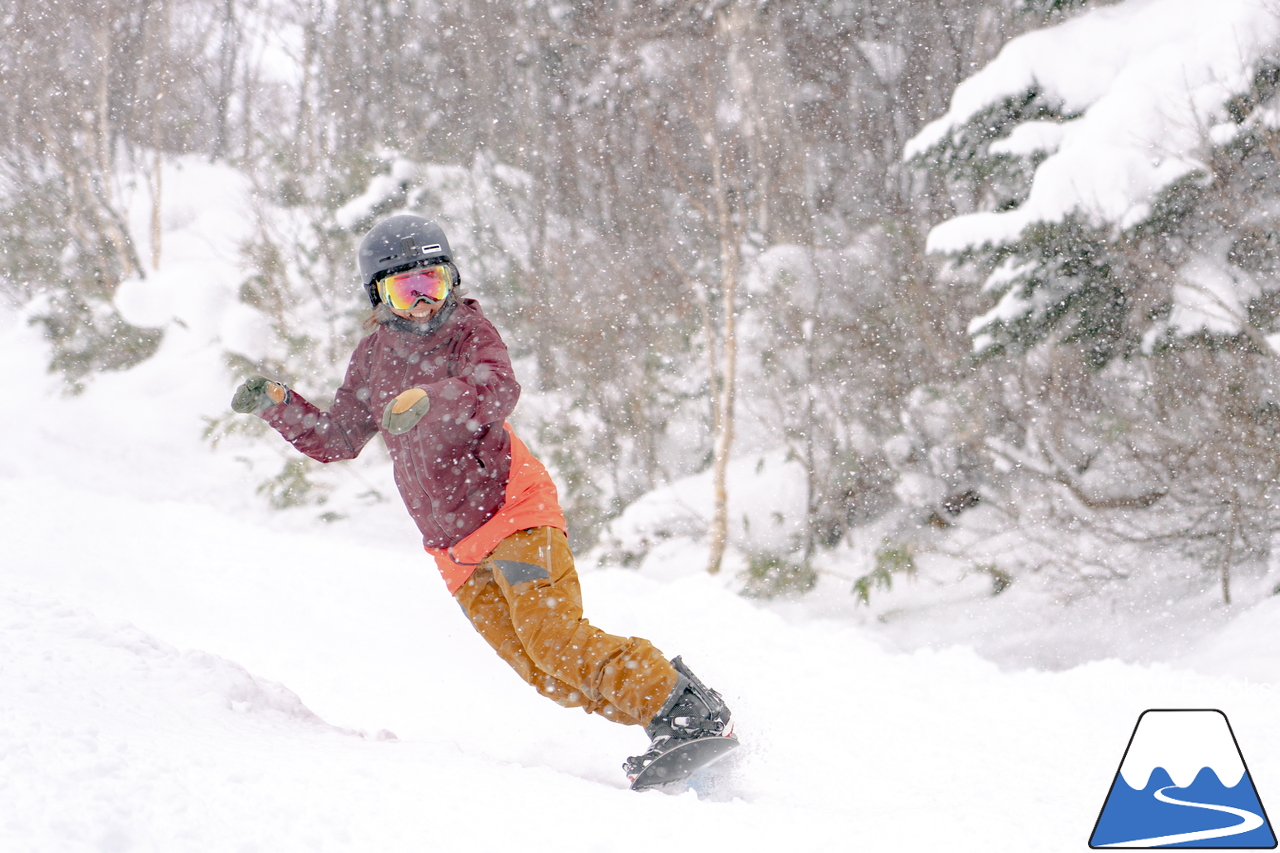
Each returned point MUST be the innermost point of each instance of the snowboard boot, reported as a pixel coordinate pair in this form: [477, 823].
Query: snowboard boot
[693, 711]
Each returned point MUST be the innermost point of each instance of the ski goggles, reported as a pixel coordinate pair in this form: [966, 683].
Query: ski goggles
[403, 290]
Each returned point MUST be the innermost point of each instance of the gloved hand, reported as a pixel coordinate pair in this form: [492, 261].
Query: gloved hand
[403, 413]
[258, 394]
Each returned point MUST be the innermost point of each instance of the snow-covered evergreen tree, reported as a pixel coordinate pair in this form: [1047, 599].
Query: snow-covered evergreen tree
[1126, 162]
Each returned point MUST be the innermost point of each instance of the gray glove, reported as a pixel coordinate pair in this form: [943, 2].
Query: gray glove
[403, 413]
[257, 394]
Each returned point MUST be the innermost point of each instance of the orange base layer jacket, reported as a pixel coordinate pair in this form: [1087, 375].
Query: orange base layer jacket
[531, 501]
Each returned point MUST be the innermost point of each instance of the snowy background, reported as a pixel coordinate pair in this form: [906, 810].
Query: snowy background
[189, 661]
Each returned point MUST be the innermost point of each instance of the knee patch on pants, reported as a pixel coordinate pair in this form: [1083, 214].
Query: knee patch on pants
[514, 571]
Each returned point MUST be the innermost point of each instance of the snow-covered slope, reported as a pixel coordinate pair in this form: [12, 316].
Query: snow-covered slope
[183, 670]
[180, 670]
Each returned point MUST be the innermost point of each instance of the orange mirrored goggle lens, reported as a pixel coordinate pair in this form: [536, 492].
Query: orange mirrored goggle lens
[403, 290]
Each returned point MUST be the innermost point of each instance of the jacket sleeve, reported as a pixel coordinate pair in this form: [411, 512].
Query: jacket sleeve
[340, 433]
[483, 391]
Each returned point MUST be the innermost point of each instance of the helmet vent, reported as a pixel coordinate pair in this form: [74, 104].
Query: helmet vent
[408, 245]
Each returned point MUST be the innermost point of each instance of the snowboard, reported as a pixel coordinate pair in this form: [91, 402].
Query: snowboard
[683, 760]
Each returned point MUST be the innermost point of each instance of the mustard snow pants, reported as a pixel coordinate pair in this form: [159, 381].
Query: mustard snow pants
[524, 599]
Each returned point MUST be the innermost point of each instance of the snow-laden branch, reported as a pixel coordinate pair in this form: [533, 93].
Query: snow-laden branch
[1144, 79]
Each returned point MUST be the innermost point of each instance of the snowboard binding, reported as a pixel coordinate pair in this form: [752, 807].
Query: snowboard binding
[693, 729]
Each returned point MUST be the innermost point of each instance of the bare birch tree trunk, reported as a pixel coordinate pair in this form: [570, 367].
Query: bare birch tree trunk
[724, 400]
[736, 25]
[99, 181]
[160, 51]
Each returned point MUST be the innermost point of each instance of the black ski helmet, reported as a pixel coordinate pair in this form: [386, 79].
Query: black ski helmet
[398, 243]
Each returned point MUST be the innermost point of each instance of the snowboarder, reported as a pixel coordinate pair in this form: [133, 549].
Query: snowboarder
[435, 379]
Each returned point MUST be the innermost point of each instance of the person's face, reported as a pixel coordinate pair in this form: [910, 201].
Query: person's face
[419, 313]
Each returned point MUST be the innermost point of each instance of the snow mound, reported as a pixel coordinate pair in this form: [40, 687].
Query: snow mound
[1242, 648]
[767, 497]
[108, 735]
[206, 221]
[59, 659]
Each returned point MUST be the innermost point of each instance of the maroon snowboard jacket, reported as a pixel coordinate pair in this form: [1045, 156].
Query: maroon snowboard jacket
[452, 467]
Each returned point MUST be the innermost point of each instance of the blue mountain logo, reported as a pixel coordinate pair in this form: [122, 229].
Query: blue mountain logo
[1183, 783]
